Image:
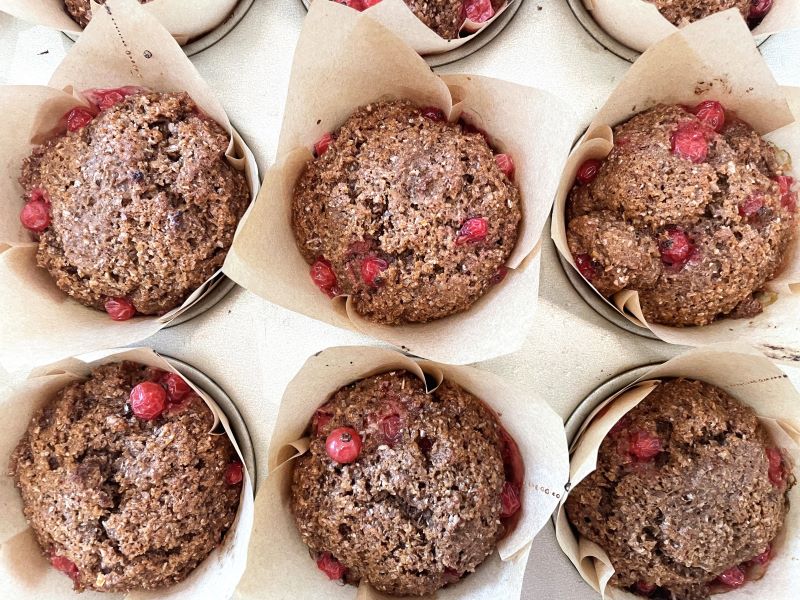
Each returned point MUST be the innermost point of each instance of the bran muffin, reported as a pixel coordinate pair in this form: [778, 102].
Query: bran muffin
[81, 10]
[445, 17]
[121, 502]
[682, 12]
[143, 203]
[691, 208]
[425, 494]
[688, 495]
[411, 216]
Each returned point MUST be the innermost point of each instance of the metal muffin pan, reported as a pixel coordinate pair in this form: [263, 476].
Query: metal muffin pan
[238, 426]
[594, 29]
[206, 40]
[485, 36]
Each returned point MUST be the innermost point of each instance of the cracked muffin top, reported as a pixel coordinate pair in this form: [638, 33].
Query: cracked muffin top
[688, 495]
[410, 215]
[81, 10]
[122, 483]
[445, 17]
[691, 208]
[404, 489]
[682, 12]
[135, 207]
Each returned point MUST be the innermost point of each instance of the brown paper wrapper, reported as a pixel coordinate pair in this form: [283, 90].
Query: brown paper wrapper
[750, 378]
[129, 49]
[712, 59]
[279, 564]
[527, 123]
[397, 16]
[26, 573]
[184, 19]
[639, 25]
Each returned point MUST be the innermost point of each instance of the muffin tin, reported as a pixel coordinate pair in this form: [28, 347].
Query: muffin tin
[253, 348]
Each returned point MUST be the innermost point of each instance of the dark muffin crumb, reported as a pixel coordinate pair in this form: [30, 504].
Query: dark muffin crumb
[144, 204]
[688, 490]
[682, 12]
[394, 191]
[81, 10]
[698, 239]
[121, 503]
[421, 505]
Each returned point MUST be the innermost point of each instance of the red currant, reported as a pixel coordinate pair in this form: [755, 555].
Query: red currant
[343, 445]
[148, 400]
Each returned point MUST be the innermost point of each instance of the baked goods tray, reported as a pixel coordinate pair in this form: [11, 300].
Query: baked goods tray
[252, 348]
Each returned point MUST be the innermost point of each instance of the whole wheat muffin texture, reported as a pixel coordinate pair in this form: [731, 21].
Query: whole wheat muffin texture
[421, 505]
[706, 499]
[81, 10]
[398, 187]
[621, 226]
[682, 12]
[144, 204]
[133, 504]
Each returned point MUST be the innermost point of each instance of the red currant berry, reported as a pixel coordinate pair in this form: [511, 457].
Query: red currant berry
[689, 142]
[343, 445]
[323, 277]
[234, 473]
[759, 9]
[65, 565]
[588, 171]
[645, 588]
[588, 268]
[320, 420]
[788, 197]
[676, 248]
[35, 216]
[479, 11]
[78, 118]
[330, 566]
[148, 400]
[776, 473]
[711, 113]
[643, 446]
[391, 428]
[433, 113]
[506, 164]
[371, 269]
[322, 145]
[472, 231]
[176, 386]
[763, 558]
[751, 205]
[510, 500]
[733, 577]
[120, 309]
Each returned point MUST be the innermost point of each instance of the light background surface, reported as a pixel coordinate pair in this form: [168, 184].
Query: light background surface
[252, 348]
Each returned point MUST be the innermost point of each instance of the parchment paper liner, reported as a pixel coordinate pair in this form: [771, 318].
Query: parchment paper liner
[639, 25]
[330, 79]
[184, 19]
[712, 59]
[398, 17]
[750, 378]
[279, 565]
[26, 573]
[40, 323]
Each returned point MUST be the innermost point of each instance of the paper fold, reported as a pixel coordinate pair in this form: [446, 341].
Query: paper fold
[749, 377]
[40, 323]
[529, 124]
[26, 573]
[712, 59]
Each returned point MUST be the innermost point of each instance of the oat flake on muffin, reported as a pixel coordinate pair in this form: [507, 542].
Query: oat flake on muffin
[691, 208]
[135, 206]
[688, 495]
[403, 489]
[410, 215]
[122, 483]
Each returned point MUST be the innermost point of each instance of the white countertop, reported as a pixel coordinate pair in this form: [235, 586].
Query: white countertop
[252, 348]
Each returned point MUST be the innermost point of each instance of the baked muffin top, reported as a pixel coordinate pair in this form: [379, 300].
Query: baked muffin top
[681, 12]
[416, 497]
[143, 203]
[688, 494]
[410, 215]
[691, 208]
[120, 495]
[81, 10]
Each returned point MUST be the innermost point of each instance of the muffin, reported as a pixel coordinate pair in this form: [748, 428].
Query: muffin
[691, 208]
[135, 207]
[682, 12]
[411, 216]
[122, 483]
[445, 17]
[81, 10]
[688, 495]
[402, 489]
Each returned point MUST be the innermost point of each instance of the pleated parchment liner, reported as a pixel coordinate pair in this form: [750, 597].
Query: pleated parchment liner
[336, 70]
[184, 19]
[40, 323]
[638, 24]
[26, 573]
[750, 378]
[279, 565]
[397, 16]
[712, 59]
